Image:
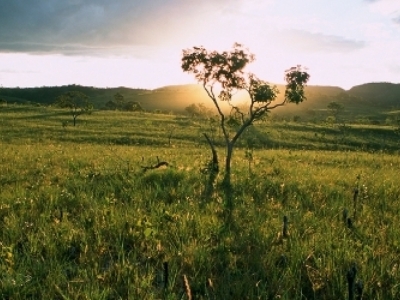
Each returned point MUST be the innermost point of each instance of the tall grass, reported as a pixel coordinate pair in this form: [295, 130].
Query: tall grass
[81, 219]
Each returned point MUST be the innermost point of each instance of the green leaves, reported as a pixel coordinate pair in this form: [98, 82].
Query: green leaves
[296, 78]
[225, 68]
[261, 91]
[73, 99]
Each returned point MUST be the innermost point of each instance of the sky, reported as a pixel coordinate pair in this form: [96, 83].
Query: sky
[138, 43]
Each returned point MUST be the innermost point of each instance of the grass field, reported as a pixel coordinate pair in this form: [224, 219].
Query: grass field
[80, 219]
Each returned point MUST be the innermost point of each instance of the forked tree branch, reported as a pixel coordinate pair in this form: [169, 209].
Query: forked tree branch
[211, 94]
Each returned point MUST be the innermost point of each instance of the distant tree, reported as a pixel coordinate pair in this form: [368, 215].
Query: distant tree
[192, 110]
[133, 106]
[198, 110]
[225, 71]
[120, 103]
[110, 105]
[335, 108]
[77, 102]
[119, 100]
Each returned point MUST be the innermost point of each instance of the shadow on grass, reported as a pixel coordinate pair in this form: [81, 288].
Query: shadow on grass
[299, 137]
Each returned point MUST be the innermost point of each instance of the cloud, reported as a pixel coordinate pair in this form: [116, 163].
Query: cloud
[318, 42]
[97, 26]
[57, 26]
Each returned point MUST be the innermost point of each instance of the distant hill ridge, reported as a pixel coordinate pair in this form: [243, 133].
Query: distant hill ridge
[381, 95]
[378, 93]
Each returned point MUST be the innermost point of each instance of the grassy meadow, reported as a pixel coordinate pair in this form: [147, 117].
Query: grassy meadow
[81, 219]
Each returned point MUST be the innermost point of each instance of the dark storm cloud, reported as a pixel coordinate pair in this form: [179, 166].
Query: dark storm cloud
[89, 26]
[318, 42]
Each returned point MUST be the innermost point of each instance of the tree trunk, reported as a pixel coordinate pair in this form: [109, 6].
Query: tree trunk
[227, 184]
[74, 119]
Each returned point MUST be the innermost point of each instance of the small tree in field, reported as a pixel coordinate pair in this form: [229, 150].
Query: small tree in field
[198, 110]
[77, 102]
[225, 71]
[335, 108]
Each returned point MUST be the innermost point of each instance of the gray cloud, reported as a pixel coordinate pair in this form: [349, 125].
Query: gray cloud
[56, 26]
[93, 26]
[99, 27]
[318, 42]
[397, 20]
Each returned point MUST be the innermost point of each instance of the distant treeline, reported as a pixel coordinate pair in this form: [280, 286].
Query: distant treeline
[48, 95]
[371, 100]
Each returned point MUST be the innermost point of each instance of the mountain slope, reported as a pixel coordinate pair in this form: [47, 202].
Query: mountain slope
[378, 94]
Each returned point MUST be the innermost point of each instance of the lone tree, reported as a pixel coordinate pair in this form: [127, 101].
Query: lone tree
[335, 108]
[77, 102]
[225, 71]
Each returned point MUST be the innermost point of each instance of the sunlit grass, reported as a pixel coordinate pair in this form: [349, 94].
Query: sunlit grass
[80, 219]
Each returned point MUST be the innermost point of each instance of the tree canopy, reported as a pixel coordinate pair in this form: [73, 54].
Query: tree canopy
[77, 102]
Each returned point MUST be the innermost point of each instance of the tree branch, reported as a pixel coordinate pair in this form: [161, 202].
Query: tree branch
[276, 105]
[237, 110]
[156, 166]
[211, 94]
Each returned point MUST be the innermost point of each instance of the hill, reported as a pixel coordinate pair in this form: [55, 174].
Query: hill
[372, 100]
[48, 95]
[381, 94]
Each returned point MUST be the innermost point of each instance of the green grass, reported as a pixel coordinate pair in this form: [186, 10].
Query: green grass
[81, 220]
